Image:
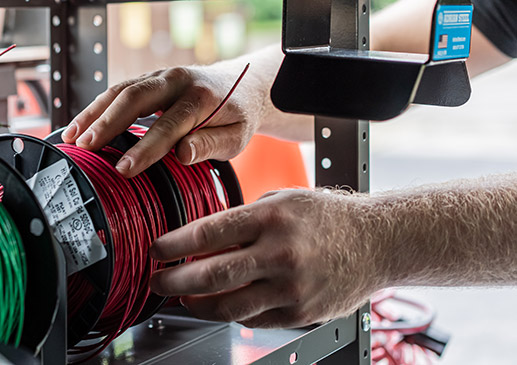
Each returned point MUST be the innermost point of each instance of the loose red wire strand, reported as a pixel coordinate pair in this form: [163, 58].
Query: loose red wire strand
[223, 102]
[7, 49]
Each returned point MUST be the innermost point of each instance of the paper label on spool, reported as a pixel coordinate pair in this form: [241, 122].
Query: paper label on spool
[59, 195]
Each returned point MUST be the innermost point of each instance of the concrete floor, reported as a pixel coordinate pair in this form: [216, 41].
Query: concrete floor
[430, 144]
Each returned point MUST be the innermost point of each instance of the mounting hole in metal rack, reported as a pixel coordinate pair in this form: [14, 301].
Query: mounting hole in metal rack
[98, 20]
[56, 21]
[326, 132]
[98, 48]
[98, 76]
[326, 163]
[57, 103]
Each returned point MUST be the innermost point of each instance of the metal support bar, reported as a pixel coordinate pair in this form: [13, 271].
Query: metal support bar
[88, 56]
[59, 71]
[342, 150]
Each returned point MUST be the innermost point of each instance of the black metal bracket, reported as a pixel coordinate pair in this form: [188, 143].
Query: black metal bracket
[325, 74]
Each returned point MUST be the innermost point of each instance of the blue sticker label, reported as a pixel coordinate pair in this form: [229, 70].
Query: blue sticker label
[452, 32]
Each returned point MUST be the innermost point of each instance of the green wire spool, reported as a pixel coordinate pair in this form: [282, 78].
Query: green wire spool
[41, 295]
[13, 280]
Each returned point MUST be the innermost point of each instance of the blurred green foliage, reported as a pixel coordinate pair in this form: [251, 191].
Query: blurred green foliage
[267, 14]
[267, 10]
[379, 4]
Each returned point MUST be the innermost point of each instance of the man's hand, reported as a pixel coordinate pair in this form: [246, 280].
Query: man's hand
[186, 96]
[298, 262]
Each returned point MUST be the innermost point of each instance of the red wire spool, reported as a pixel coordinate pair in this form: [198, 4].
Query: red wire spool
[136, 218]
[199, 192]
[148, 204]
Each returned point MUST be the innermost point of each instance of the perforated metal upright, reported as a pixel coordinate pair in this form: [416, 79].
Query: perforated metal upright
[79, 73]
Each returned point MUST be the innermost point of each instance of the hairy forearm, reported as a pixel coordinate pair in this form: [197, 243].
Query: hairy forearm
[462, 233]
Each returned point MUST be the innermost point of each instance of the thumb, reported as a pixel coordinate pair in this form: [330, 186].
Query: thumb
[219, 143]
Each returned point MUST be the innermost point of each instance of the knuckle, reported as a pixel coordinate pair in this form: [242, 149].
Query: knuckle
[114, 90]
[200, 237]
[165, 126]
[186, 107]
[210, 279]
[176, 74]
[100, 125]
[206, 145]
[274, 215]
[239, 269]
[202, 93]
[132, 92]
[226, 275]
[288, 257]
[161, 283]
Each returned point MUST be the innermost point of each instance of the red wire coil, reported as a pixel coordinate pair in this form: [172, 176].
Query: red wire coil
[136, 218]
[389, 346]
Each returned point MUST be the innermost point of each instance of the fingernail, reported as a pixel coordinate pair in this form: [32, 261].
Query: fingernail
[152, 251]
[85, 139]
[182, 302]
[123, 165]
[192, 152]
[71, 131]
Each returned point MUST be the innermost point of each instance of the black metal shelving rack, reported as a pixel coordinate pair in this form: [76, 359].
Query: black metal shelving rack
[78, 45]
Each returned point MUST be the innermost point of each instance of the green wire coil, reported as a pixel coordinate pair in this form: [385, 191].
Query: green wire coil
[13, 280]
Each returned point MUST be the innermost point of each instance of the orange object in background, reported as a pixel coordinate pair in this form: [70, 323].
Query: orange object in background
[269, 164]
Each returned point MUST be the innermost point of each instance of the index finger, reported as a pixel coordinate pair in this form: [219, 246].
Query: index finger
[219, 231]
[94, 110]
[140, 99]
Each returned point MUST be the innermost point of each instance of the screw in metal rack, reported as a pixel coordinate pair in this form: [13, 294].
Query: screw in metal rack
[366, 322]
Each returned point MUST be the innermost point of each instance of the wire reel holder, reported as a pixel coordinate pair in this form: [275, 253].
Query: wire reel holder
[323, 75]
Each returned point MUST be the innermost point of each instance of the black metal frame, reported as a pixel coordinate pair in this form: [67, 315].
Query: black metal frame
[78, 43]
